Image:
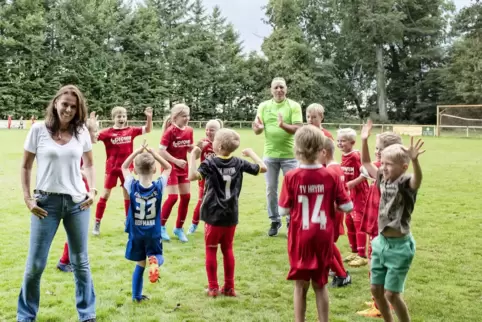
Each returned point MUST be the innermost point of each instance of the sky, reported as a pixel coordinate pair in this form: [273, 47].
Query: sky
[246, 16]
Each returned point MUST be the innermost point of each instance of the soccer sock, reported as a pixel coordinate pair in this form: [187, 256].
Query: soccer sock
[351, 232]
[361, 240]
[127, 203]
[212, 266]
[228, 260]
[65, 255]
[197, 210]
[167, 207]
[137, 282]
[337, 263]
[182, 210]
[99, 212]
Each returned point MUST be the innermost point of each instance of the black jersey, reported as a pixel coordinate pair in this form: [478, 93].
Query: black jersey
[224, 179]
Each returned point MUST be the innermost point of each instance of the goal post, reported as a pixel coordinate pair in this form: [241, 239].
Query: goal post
[459, 118]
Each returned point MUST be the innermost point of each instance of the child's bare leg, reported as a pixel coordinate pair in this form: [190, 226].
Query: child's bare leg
[322, 302]
[401, 309]
[301, 289]
[142, 263]
[378, 292]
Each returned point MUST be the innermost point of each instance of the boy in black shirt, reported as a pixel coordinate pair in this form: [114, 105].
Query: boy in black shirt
[223, 174]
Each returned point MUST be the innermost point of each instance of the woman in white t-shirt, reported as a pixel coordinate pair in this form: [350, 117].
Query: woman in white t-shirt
[59, 144]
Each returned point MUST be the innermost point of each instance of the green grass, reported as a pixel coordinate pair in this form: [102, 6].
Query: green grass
[444, 284]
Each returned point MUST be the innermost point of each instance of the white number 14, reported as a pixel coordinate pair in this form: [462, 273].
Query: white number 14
[317, 217]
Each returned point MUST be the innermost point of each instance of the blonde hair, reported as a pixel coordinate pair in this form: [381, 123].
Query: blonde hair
[316, 108]
[144, 163]
[116, 110]
[389, 138]
[176, 110]
[347, 133]
[278, 80]
[396, 153]
[215, 122]
[229, 140]
[309, 141]
[329, 146]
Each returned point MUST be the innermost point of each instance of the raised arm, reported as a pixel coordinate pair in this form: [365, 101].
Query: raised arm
[193, 173]
[250, 153]
[413, 152]
[165, 165]
[365, 153]
[148, 113]
[130, 158]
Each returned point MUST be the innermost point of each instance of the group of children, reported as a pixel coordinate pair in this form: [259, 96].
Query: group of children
[315, 195]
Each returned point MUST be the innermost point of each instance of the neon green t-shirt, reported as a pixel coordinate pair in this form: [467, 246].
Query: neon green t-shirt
[278, 143]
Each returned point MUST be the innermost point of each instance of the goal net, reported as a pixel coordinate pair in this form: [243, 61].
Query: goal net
[459, 120]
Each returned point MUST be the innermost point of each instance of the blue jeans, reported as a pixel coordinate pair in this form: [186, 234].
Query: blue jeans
[274, 166]
[42, 232]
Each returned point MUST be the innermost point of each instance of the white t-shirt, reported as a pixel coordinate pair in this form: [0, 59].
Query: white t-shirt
[58, 166]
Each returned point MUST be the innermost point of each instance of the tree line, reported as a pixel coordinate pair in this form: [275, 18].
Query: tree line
[392, 60]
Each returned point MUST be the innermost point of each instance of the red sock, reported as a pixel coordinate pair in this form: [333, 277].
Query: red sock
[351, 232]
[127, 203]
[182, 210]
[337, 263]
[228, 257]
[197, 211]
[65, 255]
[361, 240]
[167, 207]
[99, 212]
[212, 267]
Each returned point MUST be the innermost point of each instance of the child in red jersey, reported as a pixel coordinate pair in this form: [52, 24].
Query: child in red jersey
[309, 195]
[342, 277]
[223, 175]
[206, 146]
[370, 215]
[119, 144]
[315, 114]
[357, 186]
[176, 142]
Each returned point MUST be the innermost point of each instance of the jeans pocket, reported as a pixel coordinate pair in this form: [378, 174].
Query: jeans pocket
[40, 199]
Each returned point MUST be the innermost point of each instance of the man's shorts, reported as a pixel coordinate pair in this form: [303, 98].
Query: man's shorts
[138, 249]
[391, 260]
[176, 177]
[319, 276]
[215, 235]
[111, 177]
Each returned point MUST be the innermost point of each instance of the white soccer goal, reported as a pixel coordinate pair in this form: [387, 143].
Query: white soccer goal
[459, 120]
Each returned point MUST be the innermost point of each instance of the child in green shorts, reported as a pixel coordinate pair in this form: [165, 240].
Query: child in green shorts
[394, 248]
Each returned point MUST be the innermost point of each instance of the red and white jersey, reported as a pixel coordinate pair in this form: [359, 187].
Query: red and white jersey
[310, 194]
[119, 144]
[207, 150]
[178, 142]
[351, 164]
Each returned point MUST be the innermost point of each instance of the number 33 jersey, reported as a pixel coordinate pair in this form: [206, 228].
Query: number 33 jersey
[309, 193]
[224, 179]
[143, 220]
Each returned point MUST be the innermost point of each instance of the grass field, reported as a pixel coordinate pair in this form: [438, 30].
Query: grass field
[444, 284]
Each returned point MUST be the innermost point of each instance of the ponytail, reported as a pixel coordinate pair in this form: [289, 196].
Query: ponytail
[221, 124]
[167, 123]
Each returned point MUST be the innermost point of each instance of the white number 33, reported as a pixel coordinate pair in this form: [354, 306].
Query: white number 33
[317, 217]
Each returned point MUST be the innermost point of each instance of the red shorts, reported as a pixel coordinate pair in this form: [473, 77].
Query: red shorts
[111, 177]
[176, 178]
[214, 235]
[319, 275]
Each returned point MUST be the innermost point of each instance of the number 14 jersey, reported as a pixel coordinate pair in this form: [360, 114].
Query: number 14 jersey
[310, 194]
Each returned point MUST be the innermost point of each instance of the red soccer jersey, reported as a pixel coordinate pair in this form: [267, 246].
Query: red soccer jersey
[206, 152]
[369, 222]
[351, 164]
[178, 142]
[310, 193]
[119, 144]
[335, 169]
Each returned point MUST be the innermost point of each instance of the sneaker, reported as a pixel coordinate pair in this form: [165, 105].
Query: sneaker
[358, 262]
[273, 231]
[340, 281]
[372, 312]
[90, 320]
[153, 269]
[192, 229]
[212, 292]
[164, 234]
[179, 232]
[143, 298]
[96, 230]
[350, 257]
[228, 292]
[66, 268]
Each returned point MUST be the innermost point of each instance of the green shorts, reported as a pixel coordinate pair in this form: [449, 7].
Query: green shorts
[391, 260]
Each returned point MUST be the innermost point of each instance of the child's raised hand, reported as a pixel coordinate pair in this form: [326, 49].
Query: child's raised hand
[247, 152]
[148, 111]
[366, 130]
[142, 147]
[414, 150]
[196, 151]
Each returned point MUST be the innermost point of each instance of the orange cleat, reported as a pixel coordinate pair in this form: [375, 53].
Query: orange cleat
[153, 269]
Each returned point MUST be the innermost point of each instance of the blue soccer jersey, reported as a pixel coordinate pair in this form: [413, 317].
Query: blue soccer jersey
[143, 220]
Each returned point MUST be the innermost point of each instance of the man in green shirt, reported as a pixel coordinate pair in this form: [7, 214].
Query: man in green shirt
[278, 118]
